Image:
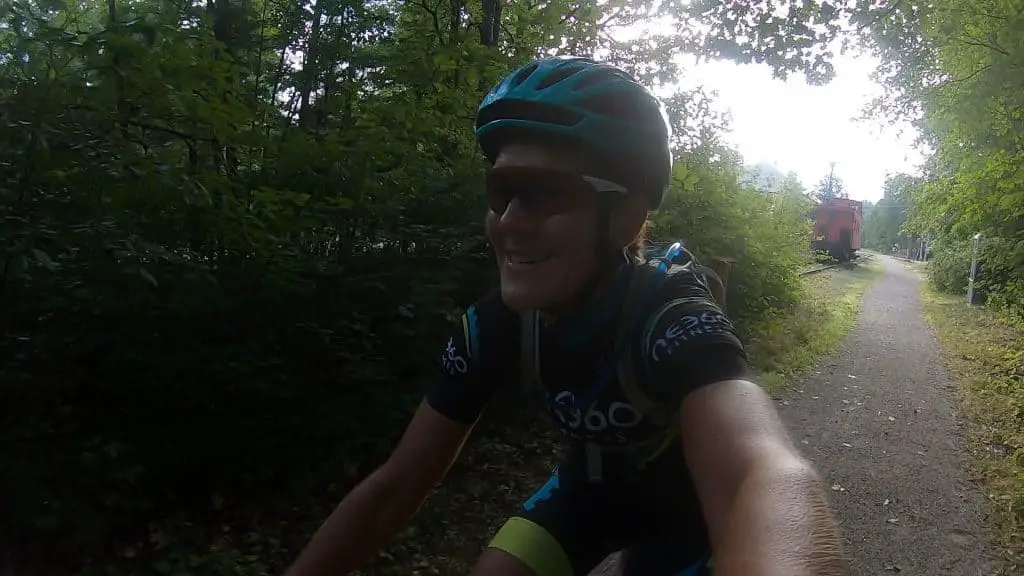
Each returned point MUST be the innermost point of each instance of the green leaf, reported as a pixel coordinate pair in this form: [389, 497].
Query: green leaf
[44, 259]
[147, 276]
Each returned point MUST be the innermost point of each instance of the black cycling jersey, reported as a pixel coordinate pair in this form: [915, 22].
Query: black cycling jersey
[670, 357]
[683, 341]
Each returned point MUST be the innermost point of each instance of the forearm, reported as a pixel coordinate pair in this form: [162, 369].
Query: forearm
[779, 524]
[365, 521]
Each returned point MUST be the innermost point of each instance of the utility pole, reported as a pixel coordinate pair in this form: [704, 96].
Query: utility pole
[831, 179]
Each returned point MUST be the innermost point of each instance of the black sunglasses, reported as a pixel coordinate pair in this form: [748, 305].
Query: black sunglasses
[543, 192]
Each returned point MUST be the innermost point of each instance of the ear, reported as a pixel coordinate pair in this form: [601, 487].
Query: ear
[628, 218]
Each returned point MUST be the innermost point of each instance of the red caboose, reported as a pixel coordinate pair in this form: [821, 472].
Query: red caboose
[837, 227]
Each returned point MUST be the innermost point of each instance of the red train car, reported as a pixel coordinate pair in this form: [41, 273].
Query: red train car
[837, 227]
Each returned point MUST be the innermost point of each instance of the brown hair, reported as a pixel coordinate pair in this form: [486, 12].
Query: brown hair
[639, 244]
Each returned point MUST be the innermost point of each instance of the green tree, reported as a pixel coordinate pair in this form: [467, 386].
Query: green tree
[883, 225]
[955, 74]
[792, 185]
[829, 187]
[764, 175]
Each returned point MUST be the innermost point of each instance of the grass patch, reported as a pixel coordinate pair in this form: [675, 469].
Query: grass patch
[986, 354]
[788, 343]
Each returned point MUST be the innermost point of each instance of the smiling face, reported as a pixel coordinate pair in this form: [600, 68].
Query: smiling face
[543, 226]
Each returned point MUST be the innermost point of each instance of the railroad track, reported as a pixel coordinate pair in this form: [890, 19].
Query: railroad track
[861, 258]
[818, 269]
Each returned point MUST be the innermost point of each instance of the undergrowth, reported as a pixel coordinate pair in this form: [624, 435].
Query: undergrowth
[986, 354]
[786, 344]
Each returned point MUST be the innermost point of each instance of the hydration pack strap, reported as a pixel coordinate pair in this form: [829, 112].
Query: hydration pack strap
[528, 364]
[529, 326]
[628, 322]
[655, 277]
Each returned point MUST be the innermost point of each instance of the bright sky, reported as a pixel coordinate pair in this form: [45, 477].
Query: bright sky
[802, 128]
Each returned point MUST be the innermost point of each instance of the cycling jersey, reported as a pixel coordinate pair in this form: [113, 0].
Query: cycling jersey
[645, 501]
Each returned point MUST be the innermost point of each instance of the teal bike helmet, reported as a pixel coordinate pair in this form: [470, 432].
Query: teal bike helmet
[585, 103]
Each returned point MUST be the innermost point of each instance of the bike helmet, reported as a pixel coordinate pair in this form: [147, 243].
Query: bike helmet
[583, 102]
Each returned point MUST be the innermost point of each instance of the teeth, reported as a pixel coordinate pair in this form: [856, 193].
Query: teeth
[518, 260]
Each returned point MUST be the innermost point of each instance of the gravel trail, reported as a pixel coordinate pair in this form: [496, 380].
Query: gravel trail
[879, 420]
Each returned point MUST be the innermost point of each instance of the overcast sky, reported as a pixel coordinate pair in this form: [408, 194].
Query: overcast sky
[802, 128]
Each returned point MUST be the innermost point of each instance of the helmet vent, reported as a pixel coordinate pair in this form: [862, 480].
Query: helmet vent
[559, 74]
[600, 76]
[614, 106]
[528, 110]
[524, 74]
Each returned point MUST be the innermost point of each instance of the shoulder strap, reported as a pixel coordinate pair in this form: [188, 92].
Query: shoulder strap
[658, 413]
[647, 281]
[528, 324]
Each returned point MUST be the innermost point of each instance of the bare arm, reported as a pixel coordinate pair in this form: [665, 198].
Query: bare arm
[765, 505]
[375, 510]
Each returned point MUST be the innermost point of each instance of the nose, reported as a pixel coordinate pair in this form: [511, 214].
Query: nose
[515, 214]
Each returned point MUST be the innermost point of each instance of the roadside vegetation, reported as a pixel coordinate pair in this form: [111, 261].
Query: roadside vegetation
[984, 349]
[787, 344]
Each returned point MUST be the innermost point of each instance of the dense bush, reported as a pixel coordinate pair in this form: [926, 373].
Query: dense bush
[763, 235]
[950, 266]
[1001, 274]
[1000, 265]
[225, 276]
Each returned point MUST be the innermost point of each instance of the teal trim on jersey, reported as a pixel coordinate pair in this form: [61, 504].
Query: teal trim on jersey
[474, 331]
[695, 569]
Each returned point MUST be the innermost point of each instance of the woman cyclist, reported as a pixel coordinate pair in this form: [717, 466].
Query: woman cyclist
[674, 452]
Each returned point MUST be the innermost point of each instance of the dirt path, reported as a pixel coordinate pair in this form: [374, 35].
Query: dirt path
[878, 419]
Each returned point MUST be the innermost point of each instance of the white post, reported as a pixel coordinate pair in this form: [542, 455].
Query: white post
[974, 270]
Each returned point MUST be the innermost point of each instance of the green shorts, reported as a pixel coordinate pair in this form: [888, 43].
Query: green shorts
[569, 526]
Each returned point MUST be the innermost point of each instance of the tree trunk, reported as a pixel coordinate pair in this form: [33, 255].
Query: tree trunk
[310, 68]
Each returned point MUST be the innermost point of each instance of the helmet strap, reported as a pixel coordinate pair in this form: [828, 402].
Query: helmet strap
[608, 257]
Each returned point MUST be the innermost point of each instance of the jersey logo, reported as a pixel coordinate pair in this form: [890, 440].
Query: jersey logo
[682, 329]
[597, 421]
[453, 362]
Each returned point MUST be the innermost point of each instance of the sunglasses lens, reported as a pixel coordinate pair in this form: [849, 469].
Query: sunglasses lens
[499, 194]
[542, 193]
